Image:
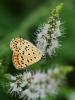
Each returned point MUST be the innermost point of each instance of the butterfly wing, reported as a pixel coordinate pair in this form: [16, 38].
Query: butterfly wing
[14, 42]
[25, 54]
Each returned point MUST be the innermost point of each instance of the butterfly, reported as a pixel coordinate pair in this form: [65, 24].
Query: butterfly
[24, 53]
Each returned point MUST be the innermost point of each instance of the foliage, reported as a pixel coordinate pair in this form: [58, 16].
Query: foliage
[21, 18]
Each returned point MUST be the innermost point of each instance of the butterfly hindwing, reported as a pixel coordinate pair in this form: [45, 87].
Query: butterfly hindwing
[24, 53]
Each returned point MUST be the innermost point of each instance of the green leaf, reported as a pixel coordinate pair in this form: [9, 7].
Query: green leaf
[57, 9]
[67, 69]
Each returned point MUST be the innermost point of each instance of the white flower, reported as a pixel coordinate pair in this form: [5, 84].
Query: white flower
[71, 96]
[53, 80]
[26, 75]
[33, 86]
[57, 31]
[54, 45]
[15, 89]
[41, 41]
[29, 95]
[16, 85]
[47, 36]
[39, 77]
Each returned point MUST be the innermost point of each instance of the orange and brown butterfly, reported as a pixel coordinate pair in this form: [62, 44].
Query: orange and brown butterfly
[24, 53]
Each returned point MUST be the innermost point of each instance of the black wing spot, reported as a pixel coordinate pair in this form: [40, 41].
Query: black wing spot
[27, 60]
[23, 52]
[27, 42]
[22, 62]
[14, 46]
[35, 57]
[26, 46]
[33, 52]
[18, 50]
[25, 64]
[31, 59]
[25, 49]
[28, 53]
[22, 57]
[23, 42]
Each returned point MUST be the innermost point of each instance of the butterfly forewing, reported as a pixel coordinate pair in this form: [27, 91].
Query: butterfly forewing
[24, 53]
[14, 42]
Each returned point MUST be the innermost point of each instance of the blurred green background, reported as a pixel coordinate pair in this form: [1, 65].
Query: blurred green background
[22, 18]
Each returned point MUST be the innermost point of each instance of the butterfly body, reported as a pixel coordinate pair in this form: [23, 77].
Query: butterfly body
[24, 53]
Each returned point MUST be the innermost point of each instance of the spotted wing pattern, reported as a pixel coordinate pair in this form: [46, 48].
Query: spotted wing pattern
[24, 53]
